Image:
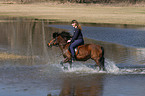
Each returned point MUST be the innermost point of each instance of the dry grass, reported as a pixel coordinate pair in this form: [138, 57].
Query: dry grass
[92, 13]
[8, 56]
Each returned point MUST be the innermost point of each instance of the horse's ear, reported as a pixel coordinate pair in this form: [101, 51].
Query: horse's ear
[55, 34]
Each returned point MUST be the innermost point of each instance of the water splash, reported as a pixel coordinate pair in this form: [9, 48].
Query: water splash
[80, 68]
[132, 71]
[111, 67]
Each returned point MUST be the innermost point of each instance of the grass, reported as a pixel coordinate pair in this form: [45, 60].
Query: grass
[8, 56]
[92, 13]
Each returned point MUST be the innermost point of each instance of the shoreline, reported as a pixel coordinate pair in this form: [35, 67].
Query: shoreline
[98, 14]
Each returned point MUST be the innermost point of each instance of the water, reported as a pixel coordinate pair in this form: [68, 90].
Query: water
[122, 36]
[29, 68]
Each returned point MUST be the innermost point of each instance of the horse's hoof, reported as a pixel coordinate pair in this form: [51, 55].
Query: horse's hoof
[70, 67]
[61, 63]
[104, 70]
[65, 68]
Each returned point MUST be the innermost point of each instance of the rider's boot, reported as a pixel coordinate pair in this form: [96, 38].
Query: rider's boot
[73, 59]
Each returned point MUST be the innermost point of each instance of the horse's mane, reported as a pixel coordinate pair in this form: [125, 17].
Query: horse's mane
[63, 34]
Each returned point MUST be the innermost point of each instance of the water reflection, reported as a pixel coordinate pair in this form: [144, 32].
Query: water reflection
[26, 38]
[83, 86]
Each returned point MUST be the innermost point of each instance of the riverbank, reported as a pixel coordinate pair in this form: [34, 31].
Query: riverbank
[87, 13]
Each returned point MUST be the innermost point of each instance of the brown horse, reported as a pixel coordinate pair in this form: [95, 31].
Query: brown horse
[84, 52]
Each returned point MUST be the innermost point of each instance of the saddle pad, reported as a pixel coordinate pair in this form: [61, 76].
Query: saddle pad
[76, 50]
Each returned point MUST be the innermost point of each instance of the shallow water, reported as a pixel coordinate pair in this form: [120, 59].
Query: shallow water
[29, 68]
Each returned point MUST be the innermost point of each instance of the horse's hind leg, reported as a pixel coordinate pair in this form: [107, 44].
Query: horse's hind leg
[102, 59]
[99, 62]
[70, 64]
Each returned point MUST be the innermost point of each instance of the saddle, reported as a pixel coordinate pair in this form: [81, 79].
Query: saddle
[76, 50]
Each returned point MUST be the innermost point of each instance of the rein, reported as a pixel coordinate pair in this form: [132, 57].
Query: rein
[63, 44]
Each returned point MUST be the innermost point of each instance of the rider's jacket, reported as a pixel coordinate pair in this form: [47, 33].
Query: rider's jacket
[77, 34]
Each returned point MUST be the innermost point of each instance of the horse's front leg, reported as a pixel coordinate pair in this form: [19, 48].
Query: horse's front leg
[64, 61]
[70, 64]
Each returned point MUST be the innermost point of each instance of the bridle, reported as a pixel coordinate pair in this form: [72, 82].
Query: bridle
[54, 40]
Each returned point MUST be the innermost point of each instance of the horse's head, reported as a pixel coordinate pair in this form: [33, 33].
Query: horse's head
[59, 39]
[54, 41]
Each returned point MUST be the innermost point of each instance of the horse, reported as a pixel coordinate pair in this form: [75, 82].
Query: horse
[84, 52]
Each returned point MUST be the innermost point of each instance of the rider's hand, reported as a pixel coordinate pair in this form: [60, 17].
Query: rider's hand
[68, 41]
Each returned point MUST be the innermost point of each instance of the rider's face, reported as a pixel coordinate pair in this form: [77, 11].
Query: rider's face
[73, 24]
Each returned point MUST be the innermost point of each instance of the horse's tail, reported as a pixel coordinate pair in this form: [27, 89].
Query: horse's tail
[102, 59]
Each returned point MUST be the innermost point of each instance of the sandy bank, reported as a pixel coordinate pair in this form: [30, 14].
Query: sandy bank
[92, 13]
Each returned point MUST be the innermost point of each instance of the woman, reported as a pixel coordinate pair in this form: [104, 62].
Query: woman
[77, 38]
